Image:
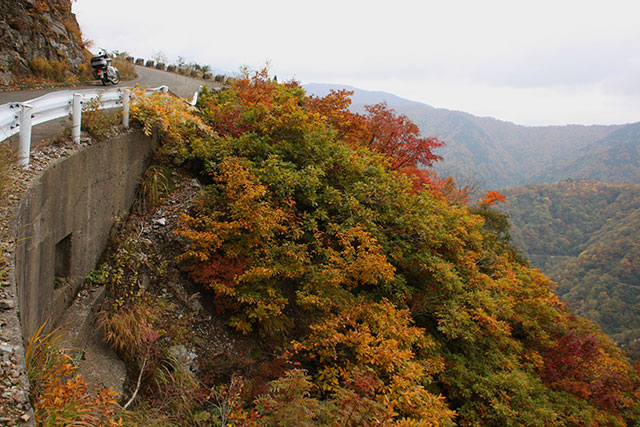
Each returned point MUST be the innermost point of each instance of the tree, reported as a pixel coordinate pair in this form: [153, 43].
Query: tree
[399, 138]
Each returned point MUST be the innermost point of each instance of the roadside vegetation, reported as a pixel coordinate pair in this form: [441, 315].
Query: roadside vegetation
[59, 397]
[330, 280]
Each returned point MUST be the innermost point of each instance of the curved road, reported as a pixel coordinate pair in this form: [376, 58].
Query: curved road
[179, 85]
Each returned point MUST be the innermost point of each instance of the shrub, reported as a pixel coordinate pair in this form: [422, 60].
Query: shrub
[130, 331]
[61, 397]
[98, 123]
[139, 61]
[85, 72]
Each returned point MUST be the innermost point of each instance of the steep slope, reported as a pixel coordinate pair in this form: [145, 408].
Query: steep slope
[585, 236]
[498, 154]
[40, 37]
[368, 301]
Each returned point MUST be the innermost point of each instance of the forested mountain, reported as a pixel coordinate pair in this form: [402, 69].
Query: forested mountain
[615, 158]
[498, 154]
[586, 236]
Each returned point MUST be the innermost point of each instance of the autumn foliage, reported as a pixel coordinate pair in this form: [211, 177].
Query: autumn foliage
[61, 397]
[320, 233]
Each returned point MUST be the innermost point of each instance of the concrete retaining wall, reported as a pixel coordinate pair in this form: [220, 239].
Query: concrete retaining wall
[64, 220]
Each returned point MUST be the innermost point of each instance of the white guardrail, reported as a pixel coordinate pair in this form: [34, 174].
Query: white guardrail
[19, 117]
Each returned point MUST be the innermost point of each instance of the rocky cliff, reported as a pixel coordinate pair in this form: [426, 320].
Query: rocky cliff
[40, 38]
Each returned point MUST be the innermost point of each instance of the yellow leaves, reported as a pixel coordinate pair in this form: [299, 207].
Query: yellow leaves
[361, 260]
[172, 117]
[247, 208]
[223, 289]
[379, 340]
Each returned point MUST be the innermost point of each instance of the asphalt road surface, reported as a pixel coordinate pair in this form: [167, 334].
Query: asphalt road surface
[182, 86]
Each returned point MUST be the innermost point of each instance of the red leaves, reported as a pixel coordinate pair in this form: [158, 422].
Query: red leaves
[578, 364]
[384, 131]
[218, 269]
[399, 138]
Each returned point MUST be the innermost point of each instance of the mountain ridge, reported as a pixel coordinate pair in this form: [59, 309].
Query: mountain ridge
[499, 154]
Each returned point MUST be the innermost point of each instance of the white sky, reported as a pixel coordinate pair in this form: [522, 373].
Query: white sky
[538, 62]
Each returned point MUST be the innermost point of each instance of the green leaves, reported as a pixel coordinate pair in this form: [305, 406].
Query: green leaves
[392, 298]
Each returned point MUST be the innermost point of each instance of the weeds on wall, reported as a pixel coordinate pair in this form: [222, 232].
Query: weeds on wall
[156, 184]
[55, 70]
[7, 161]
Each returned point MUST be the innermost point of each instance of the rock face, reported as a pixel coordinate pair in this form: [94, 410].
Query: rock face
[39, 37]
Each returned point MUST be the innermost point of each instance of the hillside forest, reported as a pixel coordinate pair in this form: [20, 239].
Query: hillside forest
[584, 235]
[364, 290]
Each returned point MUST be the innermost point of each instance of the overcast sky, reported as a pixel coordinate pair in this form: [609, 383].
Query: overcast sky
[530, 62]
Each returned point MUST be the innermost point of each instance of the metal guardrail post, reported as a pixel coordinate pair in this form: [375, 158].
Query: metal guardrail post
[126, 98]
[76, 113]
[194, 100]
[24, 145]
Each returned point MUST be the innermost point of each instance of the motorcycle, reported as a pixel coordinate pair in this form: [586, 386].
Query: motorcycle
[103, 70]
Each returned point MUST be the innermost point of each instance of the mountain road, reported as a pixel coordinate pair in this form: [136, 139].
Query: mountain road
[182, 86]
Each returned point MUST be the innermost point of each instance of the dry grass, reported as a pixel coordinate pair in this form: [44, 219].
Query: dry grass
[57, 71]
[156, 183]
[126, 68]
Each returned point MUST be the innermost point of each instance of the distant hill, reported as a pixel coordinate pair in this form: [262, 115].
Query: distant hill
[614, 158]
[498, 154]
[586, 236]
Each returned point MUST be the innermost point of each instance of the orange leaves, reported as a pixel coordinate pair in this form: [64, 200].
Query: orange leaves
[230, 236]
[243, 217]
[376, 335]
[491, 198]
[60, 396]
[334, 109]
